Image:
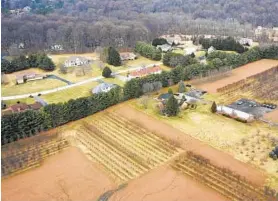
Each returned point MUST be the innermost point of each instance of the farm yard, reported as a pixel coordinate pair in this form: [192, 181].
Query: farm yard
[121, 147]
[164, 183]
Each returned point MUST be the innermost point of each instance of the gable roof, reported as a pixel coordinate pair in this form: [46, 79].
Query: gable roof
[35, 106]
[19, 107]
[145, 71]
[103, 87]
[74, 58]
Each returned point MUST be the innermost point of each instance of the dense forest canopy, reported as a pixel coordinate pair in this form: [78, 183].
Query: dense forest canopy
[82, 25]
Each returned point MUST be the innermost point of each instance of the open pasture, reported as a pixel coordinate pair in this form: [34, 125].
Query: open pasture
[84, 90]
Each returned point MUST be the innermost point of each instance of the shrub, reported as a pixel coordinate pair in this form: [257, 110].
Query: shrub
[106, 72]
[213, 107]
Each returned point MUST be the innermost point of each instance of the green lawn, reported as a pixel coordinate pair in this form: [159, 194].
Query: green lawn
[71, 93]
[30, 87]
[179, 51]
[200, 53]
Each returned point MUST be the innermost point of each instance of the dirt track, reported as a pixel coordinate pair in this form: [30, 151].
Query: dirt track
[239, 74]
[272, 116]
[69, 170]
[188, 143]
[165, 184]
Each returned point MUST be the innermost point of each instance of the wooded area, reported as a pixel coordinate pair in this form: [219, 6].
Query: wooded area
[83, 25]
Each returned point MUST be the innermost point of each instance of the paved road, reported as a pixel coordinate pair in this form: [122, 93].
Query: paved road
[72, 85]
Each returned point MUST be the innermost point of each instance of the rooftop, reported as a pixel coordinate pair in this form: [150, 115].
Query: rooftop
[145, 71]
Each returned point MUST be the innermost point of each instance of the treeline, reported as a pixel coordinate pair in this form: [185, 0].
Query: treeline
[25, 124]
[84, 31]
[41, 61]
[21, 125]
[228, 44]
[148, 51]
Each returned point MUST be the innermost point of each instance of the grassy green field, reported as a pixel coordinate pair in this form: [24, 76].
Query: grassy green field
[30, 87]
[71, 93]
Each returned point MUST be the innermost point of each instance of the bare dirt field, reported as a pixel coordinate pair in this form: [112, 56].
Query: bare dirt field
[164, 184]
[272, 116]
[239, 74]
[189, 143]
[68, 175]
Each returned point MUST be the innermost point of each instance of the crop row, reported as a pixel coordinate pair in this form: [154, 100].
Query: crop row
[122, 148]
[29, 156]
[220, 179]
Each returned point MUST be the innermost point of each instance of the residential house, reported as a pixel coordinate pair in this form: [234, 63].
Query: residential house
[233, 113]
[144, 72]
[103, 88]
[246, 41]
[76, 61]
[164, 47]
[56, 47]
[190, 50]
[22, 78]
[20, 107]
[127, 56]
[211, 49]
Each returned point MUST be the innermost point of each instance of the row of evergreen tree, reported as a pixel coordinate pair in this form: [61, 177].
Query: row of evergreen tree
[148, 51]
[228, 44]
[20, 125]
[41, 61]
[25, 124]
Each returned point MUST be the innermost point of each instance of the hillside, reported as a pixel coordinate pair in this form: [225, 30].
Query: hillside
[85, 24]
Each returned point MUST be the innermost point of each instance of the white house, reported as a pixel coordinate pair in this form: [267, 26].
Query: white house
[103, 87]
[211, 49]
[164, 47]
[76, 61]
[244, 41]
[127, 56]
[57, 47]
[221, 109]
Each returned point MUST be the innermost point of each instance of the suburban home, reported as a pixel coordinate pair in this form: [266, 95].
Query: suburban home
[145, 71]
[22, 78]
[164, 47]
[236, 114]
[57, 47]
[190, 50]
[103, 88]
[20, 107]
[76, 61]
[127, 56]
[246, 41]
[179, 97]
[211, 49]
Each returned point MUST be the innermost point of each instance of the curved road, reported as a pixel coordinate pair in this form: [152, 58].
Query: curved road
[70, 86]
